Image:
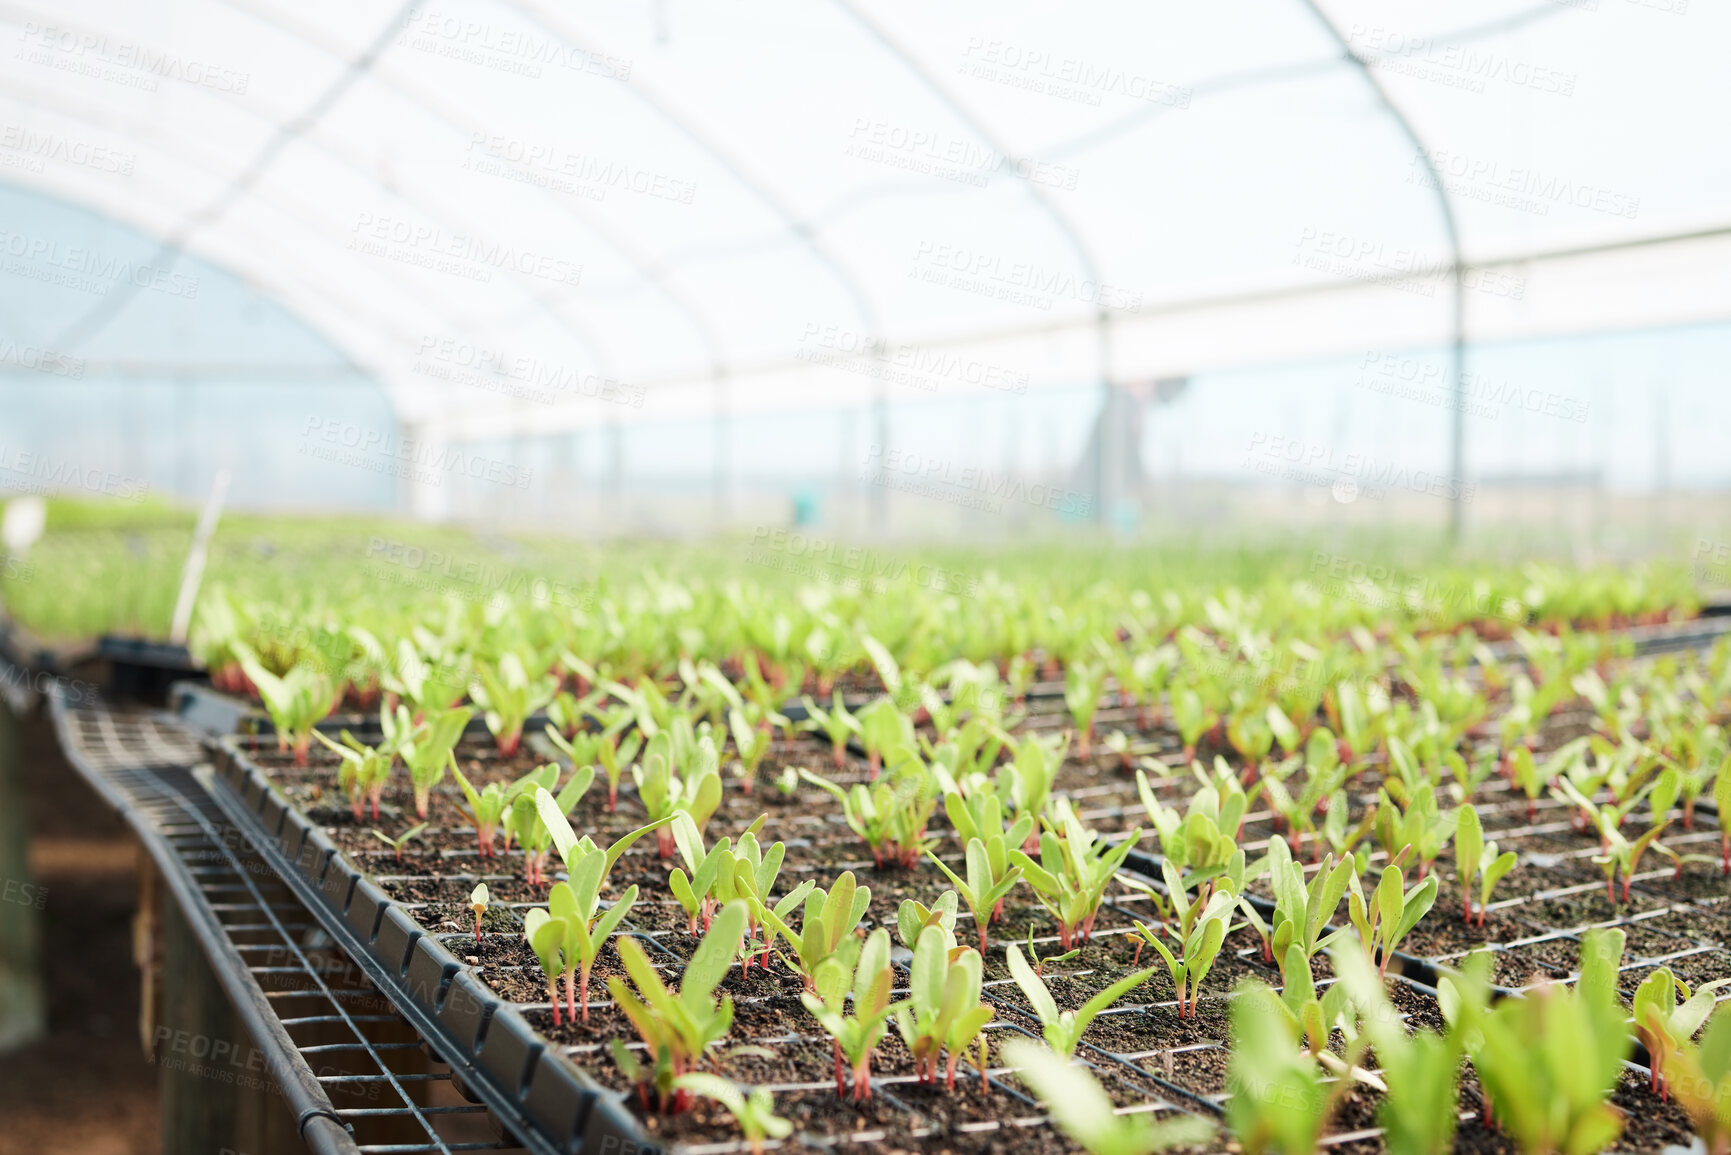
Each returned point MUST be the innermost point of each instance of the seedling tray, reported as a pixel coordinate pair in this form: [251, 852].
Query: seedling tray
[411, 918]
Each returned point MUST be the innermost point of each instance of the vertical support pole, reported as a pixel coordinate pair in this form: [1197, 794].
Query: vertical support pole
[23, 1004]
[1457, 432]
[723, 455]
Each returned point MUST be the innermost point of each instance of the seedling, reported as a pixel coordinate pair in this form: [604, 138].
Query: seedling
[1722, 801]
[1623, 855]
[486, 808]
[835, 723]
[1192, 717]
[855, 1033]
[532, 835]
[427, 751]
[508, 695]
[1300, 911]
[402, 839]
[696, 891]
[944, 1011]
[1473, 855]
[1063, 1029]
[546, 937]
[751, 742]
[363, 773]
[1198, 948]
[296, 702]
[1032, 770]
[755, 1113]
[1316, 1019]
[679, 1029]
[749, 873]
[1663, 1026]
[987, 882]
[1702, 1082]
[913, 916]
[1391, 912]
[478, 904]
[1549, 1061]
[1039, 962]
[574, 905]
[1280, 1100]
[664, 793]
[787, 782]
[827, 922]
[1084, 685]
[615, 756]
[1071, 877]
[891, 814]
[1082, 1111]
[1419, 1110]
[883, 727]
[1203, 841]
[1420, 825]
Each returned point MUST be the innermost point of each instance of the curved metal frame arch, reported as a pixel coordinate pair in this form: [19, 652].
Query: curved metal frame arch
[1456, 431]
[652, 271]
[1103, 319]
[760, 188]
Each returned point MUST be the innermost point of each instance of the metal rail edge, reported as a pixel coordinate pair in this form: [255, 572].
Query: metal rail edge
[320, 1126]
[547, 1102]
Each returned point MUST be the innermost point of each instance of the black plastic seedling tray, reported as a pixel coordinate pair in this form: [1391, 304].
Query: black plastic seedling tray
[555, 1084]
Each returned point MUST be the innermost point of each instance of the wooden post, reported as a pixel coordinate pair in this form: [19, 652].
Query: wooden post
[23, 1003]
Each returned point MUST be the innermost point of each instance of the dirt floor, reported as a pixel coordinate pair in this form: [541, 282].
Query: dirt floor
[88, 1088]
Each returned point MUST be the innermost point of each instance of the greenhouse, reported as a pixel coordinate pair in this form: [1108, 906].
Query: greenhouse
[588, 578]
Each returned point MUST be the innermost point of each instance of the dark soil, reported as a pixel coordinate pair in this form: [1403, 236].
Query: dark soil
[1142, 1050]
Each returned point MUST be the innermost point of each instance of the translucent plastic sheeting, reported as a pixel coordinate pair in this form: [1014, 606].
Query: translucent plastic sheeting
[533, 215]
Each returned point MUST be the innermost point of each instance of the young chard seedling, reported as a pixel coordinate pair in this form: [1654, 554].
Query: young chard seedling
[402, 839]
[1080, 1108]
[679, 1029]
[478, 904]
[855, 1033]
[1063, 1029]
[1473, 855]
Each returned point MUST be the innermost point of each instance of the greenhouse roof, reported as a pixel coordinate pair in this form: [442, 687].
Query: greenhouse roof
[646, 210]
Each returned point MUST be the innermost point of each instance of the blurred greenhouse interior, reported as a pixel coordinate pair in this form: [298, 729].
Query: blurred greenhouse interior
[988, 276]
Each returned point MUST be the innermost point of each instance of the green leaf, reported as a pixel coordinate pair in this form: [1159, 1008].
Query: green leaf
[714, 955]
